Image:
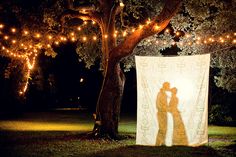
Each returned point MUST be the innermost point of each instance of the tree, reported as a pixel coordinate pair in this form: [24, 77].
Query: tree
[104, 14]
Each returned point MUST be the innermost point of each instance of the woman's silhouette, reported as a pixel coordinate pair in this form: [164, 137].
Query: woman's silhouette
[179, 133]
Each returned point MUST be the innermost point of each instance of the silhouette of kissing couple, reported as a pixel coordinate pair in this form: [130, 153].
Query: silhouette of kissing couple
[179, 134]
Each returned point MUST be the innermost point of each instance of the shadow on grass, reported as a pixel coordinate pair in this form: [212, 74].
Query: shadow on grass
[151, 151]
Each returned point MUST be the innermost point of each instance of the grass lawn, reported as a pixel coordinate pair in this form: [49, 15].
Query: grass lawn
[58, 134]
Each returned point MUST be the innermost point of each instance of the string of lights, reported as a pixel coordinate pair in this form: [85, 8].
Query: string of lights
[25, 51]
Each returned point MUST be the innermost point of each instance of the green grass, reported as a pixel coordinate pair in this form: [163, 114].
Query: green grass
[58, 134]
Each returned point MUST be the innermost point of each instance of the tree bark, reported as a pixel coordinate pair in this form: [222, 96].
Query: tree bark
[109, 102]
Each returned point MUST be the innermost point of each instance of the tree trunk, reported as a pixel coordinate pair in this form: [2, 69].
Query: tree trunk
[108, 107]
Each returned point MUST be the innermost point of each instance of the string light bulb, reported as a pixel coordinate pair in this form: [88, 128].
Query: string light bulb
[49, 37]
[94, 38]
[73, 39]
[26, 32]
[13, 30]
[1, 26]
[6, 37]
[13, 41]
[122, 4]
[37, 35]
[124, 33]
[156, 27]
[148, 21]
[177, 33]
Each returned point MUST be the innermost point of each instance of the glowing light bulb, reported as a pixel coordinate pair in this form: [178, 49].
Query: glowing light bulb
[122, 4]
[105, 36]
[140, 26]
[85, 22]
[57, 42]
[3, 48]
[13, 41]
[1, 26]
[94, 38]
[205, 41]
[26, 32]
[124, 33]
[93, 22]
[37, 35]
[81, 80]
[167, 30]
[6, 37]
[148, 21]
[79, 28]
[198, 38]
[13, 30]
[49, 37]
[235, 34]
[227, 36]
[177, 33]
[234, 41]
[72, 34]
[48, 45]
[114, 35]
[22, 45]
[187, 35]
[84, 38]
[198, 42]
[73, 39]
[133, 30]
[156, 27]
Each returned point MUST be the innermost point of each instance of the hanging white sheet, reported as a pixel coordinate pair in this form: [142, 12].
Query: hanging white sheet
[172, 100]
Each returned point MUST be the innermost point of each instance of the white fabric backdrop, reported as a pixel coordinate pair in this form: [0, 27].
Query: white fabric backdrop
[187, 122]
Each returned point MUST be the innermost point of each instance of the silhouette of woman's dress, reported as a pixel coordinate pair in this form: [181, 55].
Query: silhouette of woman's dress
[179, 133]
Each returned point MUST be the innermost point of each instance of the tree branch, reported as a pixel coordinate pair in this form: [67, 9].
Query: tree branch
[76, 14]
[163, 19]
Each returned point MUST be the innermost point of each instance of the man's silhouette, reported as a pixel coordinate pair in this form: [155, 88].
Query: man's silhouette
[161, 104]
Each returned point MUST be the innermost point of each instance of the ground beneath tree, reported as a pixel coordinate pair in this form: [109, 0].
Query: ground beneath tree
[61, 134]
